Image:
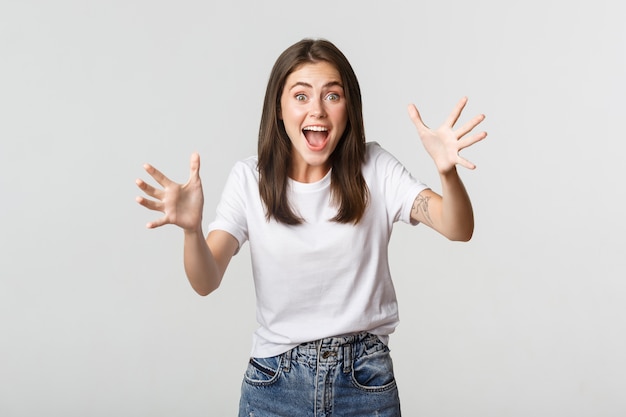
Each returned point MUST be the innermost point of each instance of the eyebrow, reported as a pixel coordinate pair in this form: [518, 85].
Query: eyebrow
[307, 85]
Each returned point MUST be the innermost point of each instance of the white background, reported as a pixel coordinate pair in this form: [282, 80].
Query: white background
[96, 315]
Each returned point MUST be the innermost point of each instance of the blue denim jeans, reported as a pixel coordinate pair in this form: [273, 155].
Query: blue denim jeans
[348, 376]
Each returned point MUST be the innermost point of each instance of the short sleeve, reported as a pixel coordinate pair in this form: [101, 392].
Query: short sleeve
[398, 186]
[231, 210]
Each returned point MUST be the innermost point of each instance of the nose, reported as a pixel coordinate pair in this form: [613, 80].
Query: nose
[317, 109]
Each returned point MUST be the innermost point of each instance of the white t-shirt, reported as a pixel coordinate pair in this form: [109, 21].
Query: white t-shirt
[320, 278]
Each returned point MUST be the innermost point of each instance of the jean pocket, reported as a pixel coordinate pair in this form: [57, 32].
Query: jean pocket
[374, 372]
[263, 371]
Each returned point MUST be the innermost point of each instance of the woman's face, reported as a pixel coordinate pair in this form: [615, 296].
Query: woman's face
[313, 110]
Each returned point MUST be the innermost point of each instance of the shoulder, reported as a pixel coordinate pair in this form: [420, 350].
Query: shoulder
[243, 177]
[246, 168]
[377, 157]
[373, 148]
[248, 164]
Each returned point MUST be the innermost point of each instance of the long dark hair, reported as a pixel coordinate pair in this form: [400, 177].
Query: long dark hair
[348, 188]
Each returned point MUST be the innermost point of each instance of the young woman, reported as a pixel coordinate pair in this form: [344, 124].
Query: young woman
[317, 207]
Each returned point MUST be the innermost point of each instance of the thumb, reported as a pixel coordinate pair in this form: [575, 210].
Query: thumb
[414, 114]
[194, 165]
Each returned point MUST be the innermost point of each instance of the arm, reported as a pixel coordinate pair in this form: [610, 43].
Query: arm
[451, 216]
[451, 212]
[205, 260]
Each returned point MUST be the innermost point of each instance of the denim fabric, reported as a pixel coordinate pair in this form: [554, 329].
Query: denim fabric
[348, 376]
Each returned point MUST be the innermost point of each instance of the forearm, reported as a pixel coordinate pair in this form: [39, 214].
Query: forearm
[457, 215]
[201, 267]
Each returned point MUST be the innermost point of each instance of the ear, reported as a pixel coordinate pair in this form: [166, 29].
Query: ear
[279, 113]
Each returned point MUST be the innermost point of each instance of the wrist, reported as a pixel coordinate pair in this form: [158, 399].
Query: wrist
[194, 231]
[449, 172]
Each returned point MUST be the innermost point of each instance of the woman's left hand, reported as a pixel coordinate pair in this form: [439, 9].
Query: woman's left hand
[444, 143]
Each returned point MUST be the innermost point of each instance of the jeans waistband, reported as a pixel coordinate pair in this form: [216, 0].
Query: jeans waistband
[338, 341]
[332, 350]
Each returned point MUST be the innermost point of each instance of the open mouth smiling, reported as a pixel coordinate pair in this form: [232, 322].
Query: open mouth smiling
[316, 136]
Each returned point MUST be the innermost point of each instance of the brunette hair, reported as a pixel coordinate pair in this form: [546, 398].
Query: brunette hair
[348, 188]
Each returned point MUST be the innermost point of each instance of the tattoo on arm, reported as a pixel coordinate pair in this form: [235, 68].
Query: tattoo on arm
[421, 205]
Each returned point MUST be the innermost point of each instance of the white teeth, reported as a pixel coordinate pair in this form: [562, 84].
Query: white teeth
[316, 128]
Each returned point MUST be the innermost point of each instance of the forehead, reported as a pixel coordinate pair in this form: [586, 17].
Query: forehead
[321, 71]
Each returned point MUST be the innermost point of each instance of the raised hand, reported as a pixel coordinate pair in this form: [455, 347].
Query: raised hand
[181, 205]
[444, 143]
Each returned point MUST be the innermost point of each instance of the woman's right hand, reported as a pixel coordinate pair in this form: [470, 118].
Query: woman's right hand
[180, 204]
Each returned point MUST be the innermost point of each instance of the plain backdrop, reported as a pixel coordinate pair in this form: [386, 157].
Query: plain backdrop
[96, 315]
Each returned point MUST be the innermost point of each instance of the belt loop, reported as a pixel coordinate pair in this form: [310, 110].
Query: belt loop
[286, 362]
[347, 357]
